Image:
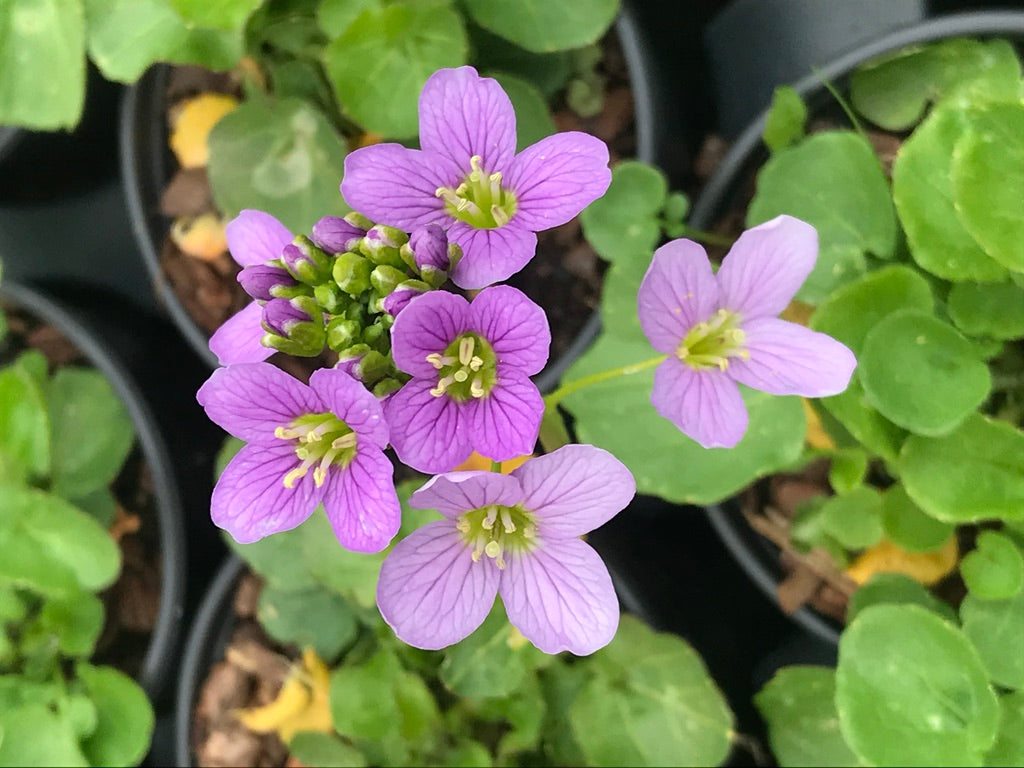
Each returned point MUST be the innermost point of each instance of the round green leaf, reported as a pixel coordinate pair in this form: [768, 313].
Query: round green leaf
[76, 621]
[33, 734]
[854, 519]
[988, 181]
[974, 473]
[994, 310]
[996, 628]
[24, 421]
[921, 374]
[335, 16]
[908, 526]
[533, 120]
[541, 26]
[485, 663]
[911, 690]
[786, 117]
[624, 222]
[324, 750]
[1008, 751]
[994, 570]
[896, 589]
[379, 64]
[221, 14]
[847, 469]
[310, 617]
[798, 704]
[125, 718]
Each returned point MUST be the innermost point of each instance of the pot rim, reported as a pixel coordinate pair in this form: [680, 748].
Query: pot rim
[160, 651]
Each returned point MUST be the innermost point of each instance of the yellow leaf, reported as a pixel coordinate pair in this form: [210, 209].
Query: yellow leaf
[797, 312]
[302, 704]
[924, 567]
[201, 237]
[817, 437]
[196, 118]
[483, 464]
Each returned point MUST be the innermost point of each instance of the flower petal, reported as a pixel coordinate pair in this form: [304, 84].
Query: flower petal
[516, 328]
[463, 114]
[558, 177]
[349, 400]
[431, 592]
[395, 185]
[428, 433]
[767, 265]
[504, 424]
[240, 338]
[425, 327]
[251, 501]
[788, 359]
[561, 597]
[678, 291]
[490, 255]
[255, 237]
[361, 503]
[574, 490]
[705, 405]
[250, 400]
[453, 493]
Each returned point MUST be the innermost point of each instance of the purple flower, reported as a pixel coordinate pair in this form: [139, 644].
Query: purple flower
[468, 178]
[254, 238]
[260, 280]
[720, 329]
[429, 248]
[518, 536]
[306, 445]
[470, 390]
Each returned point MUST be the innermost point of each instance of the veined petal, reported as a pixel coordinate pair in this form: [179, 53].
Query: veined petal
[574, 490]
[516, 328]
[426, 327]
[431, 592]
[490, 255]
[788, 359]
[453, 493]
[558, 177]
[504, 424]
[350, 401]
[251, 400]
[766, 266]
[678, 291]
[463, 114]
[255, 237]
[705, 405]
[240, 338]
[428, 433]
[561, 597]
[361, 503]
[395, 185]
[251, 501]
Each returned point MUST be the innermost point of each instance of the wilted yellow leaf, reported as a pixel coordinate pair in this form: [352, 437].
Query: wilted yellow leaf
[817, 437]
[924, 567]
[202, 237]
[196, 118]
[302, 704]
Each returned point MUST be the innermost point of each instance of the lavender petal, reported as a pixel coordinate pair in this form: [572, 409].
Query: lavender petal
[240, 338]
[504, 424]
[516, 328]
[678, 291]
[349, 400]
[705, 405]
[453, 493]
[428, 433]
[255, 237]
[361, 503]
[427, 326]
[490, 255]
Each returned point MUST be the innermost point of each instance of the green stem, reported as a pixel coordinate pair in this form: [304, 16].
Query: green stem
[830, 87]
[709, 238]
[550, 401]
[496, 466]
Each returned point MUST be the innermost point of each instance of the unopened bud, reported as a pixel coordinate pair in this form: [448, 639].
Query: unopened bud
[336, 235]
[261, 280]
[381, 245]
[342, 333]
[372, 367]
[386, 387]
[331, 298]
[399, 298]
[299, 321]
[385, 279]
[305, 262]
[352, 273]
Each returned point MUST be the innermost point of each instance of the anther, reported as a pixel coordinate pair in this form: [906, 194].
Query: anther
[501, 217]
[506, 521]
[476, 389]
[466, 350]
[319, 476]
[488, 521]
[529, 531]
[476, 363]
[345, 441]
[435, 359]
[460, 375]
[492, 549]
[442, 386]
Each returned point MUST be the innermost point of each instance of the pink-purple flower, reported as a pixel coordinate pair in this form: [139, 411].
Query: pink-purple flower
[306, 445]
[721, 329]
[518, 536]
[470, 390]
[468, 178]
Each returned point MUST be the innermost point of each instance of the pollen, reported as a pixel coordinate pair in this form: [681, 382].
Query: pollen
[714, 343]
[480, 530]
[480, 200]
[467, 368]
[320, 440]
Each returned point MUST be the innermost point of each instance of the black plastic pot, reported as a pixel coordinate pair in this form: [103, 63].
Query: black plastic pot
[161, 655]
[756, 555]
[147, 165]
[9, 137]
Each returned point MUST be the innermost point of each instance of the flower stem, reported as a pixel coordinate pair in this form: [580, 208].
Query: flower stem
[702, 236]
[550, 401]
[496, 466]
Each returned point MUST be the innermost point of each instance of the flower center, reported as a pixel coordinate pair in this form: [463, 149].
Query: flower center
[466, 369]
[494, 530]
[479, 200]
[710, 344]
[321, 439]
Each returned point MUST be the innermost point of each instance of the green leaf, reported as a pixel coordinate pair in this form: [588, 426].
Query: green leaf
[855, 518]
[974, 473]
[533, 120]
[995, 310]
[996, 628]
[911, 690]
[988, 181]
[76, 621]
[379, 64]
[798, 704]
[324, 750]
[994, 570]
[541, 26]
[893, 90]
[523, 712]
[922, 189]
[786, 118]
[282, 157]
[561, 685]
[32, 734]
[126, 36]
[485, 663]
[623, 224]
[896, 589]
[125, 717]
[921, 374]
[833, 181]
[353, 575]
[279, 559]
[847, 469]
[24, 420]
[216, 14]
[910, 527]
[99, 505]
[1008, 751]
[311, 617]
[466, 754]
[90, 432]
[42, 63]
[549, 72]
[336, 16]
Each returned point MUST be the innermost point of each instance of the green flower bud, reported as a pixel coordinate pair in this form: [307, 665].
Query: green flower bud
[352, 273]
[385, 279]
[386, 386]
[382, 245]
[342, 333]
[357, 311]
[357, 219]
[373, 367]
[331, 298]
[305, 262]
